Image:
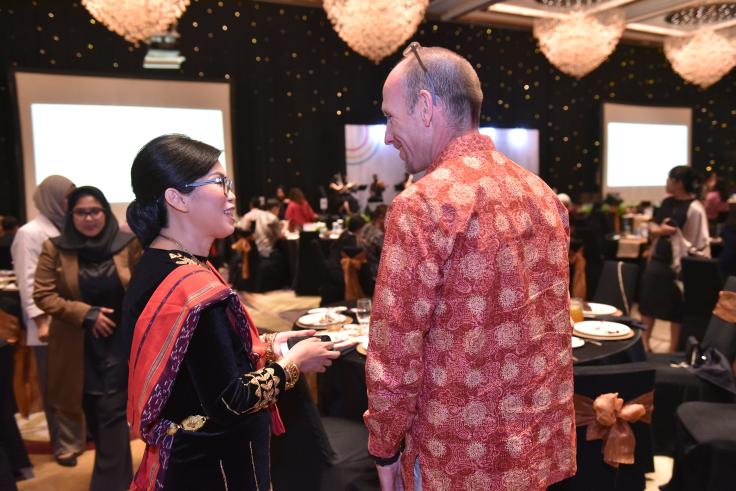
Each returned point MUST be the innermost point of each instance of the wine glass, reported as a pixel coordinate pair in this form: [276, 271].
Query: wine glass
[363, 311]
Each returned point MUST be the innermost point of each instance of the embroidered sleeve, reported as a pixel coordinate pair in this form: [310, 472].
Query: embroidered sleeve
[258, 390]
[221, 373]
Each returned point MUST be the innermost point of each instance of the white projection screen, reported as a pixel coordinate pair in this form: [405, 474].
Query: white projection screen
[641, 145]
[89, 128]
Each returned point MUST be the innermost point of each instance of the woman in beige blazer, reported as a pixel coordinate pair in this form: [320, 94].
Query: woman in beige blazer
[80, 282]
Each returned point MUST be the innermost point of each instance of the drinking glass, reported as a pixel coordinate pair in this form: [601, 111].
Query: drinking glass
[363, 311]
[576, 310]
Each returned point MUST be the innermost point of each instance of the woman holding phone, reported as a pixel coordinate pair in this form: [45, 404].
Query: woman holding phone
[202, 382]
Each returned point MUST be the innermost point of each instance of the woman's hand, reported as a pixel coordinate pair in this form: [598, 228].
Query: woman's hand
[283, 337]
[312, 355]
[103, 326]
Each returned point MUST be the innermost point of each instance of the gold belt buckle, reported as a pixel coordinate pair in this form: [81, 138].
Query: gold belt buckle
[190, 423]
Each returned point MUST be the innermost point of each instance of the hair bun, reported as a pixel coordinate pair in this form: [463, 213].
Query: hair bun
[145, 220]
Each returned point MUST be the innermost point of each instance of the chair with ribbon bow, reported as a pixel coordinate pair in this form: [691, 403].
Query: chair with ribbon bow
[613, 408]
[676, 382]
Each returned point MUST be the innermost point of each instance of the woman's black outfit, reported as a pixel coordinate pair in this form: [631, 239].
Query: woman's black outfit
[231, 451]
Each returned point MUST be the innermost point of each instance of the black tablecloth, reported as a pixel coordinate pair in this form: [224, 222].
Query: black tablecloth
[342, 389]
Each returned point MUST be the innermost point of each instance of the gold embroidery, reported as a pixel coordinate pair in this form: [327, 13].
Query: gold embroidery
[266, 388]
[181, 259]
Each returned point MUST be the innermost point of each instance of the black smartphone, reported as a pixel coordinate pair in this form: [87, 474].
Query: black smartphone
[292, 341]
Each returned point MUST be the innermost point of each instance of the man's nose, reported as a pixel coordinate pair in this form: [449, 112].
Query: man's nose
[388, 137]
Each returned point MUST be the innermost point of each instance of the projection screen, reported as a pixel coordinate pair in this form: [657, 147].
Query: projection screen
[641, 145]
[89, 128]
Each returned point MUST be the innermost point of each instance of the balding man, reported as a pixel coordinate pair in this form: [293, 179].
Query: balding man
[469, 370]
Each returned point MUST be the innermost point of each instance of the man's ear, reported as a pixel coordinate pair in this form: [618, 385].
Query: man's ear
[177, 200]
[425, 106]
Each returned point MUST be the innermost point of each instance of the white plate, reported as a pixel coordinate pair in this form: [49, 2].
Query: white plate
[577, 342]
[602, 328]
[322, 310]
[599, 309]
[318, 320]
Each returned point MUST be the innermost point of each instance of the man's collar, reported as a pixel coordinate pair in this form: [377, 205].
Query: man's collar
[463, 145]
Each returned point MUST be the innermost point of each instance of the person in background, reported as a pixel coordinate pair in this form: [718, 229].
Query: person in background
[9, 228]
[376, 189]
[679, 228]
[202, 382]
[267, 231]
[346, 202]
[67, 437]
[469, 371]
[371, 237]
[347, 243]
[247, 222]
[283, 201]
[80, 282]
[298, 211]
[716, 203]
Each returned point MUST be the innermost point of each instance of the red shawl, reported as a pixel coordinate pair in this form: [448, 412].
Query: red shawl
[160, 341]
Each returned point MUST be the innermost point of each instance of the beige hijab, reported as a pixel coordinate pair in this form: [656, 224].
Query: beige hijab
[50, 198]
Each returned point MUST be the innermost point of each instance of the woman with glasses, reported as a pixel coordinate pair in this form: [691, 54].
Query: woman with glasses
[80, 282]
[202, 382]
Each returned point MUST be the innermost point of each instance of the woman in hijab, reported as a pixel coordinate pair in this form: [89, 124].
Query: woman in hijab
[80, 282]
[50, 200]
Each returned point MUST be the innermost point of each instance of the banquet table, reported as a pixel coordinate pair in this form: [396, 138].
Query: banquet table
[342, 388]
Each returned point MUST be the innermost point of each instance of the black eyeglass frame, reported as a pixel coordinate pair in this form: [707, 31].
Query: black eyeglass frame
[224, 181]
[414, 48]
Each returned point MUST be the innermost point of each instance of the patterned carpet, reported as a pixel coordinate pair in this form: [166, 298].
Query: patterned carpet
[277, 310]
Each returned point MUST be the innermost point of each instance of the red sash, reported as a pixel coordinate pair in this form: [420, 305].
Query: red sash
[160, 341]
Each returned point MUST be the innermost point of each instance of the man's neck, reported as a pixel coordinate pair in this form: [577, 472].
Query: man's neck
[444, 138]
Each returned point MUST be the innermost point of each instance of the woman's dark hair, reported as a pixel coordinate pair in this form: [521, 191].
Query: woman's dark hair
[169, 161]
[296, 195]
[691, 180]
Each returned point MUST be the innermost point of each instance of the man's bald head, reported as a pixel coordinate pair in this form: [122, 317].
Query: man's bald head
[452, 81]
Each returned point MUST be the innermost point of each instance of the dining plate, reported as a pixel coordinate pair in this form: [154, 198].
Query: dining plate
[602, 329]
[322, 320]
[591, 308]
[577, 342]
[322, 310]
[362, 346]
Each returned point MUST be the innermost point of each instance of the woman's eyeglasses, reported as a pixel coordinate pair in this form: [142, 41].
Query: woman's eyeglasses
[224, 181]
[88, 212]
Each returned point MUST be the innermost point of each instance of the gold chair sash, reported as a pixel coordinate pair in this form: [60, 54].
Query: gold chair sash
[350, 268]
[608, 418]
[244, 247]
[726, 307]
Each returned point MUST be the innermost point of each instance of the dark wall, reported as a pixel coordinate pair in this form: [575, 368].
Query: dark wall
[296, 84]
